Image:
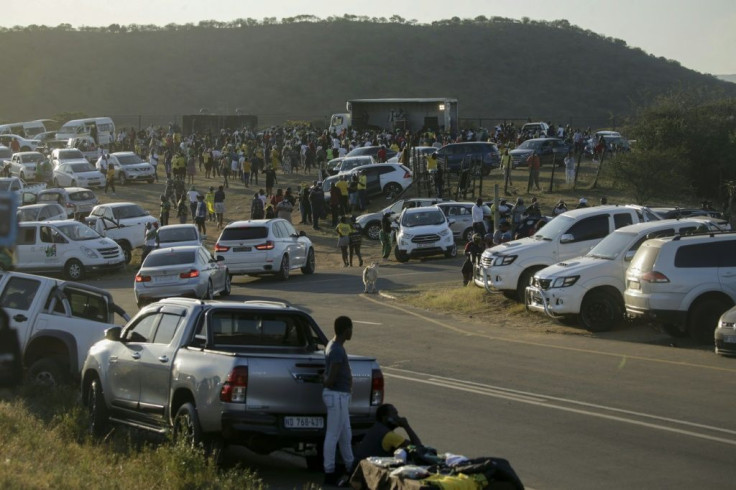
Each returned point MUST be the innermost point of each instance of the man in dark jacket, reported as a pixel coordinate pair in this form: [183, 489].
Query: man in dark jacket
[317, 203]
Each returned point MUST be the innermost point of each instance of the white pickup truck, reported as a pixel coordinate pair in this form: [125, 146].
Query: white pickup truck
[57, 322]
[510, 266]
[242, 373]
[26, 194]
[124, 222]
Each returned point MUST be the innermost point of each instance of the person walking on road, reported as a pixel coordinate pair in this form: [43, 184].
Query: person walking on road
[534, 163]
[338, 386]
[219, 206]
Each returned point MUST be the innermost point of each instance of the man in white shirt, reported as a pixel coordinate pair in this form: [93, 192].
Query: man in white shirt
[477, 214]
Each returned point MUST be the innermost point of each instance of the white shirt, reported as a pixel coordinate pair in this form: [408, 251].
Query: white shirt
[477, 213]
[192, 195]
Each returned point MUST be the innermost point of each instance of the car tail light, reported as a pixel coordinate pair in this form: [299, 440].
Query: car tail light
[221, 248]
[376, 387]
[236, 386]
[189, 275]
[654, 276]
[140, 278]
[407, 175]
[269, 245]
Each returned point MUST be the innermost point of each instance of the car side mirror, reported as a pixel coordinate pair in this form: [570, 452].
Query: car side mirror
[567, 238]
[220, 258]
[629, 255]
[113, 334]
[450, 222]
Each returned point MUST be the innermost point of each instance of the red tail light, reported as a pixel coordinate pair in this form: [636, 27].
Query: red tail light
[269, 245]
[189, 275]
[407, 175]
[236, 386]
[376, 387]
[654, 276]
[140, 278]
[220, 248]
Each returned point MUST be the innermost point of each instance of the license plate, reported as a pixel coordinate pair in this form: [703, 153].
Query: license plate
[304, 422]
[729, 339]
[425, 245]
[241, 249]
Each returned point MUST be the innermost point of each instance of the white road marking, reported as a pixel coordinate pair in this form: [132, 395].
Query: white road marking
[367, 323]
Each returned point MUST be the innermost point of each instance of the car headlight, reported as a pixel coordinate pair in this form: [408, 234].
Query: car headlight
[564, 282]
[89, 252]
[504, 260]
[728, 325]
[444, 233]
[405, 236]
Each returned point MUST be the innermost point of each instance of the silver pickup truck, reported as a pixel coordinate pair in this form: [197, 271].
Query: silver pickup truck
[214, 373]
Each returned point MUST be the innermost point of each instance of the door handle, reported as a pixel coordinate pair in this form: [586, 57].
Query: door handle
[164, 358]
[136, 355]
[20, 318]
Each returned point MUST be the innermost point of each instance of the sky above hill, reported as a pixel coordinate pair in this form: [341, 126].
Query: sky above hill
[701, 35]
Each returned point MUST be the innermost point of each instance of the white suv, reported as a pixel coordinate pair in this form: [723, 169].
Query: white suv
[424, 231]
[265, 246]
[683, 283]
[590, 288]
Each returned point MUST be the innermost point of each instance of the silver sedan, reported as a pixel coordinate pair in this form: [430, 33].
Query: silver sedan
[181, 271]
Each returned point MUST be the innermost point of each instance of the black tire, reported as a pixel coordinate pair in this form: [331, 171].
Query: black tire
[97, 417]
[600, 311]
[127, 252]
[315, 462]
[524, 281]
[310, 265]
[703, 319]
[392, 189]
[452, 252]
[48, 372]
[187, 430]
[400, 255]
[509, 294]
[228, 286]
[569, 320]
[373, 230]
[674, 330]
[284, 271]
[74, 270]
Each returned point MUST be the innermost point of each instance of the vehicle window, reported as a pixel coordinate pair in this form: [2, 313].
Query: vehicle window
[275, 330]
[280, 230]
[204, 255]
[82, 167]
[128, 159]
[177, 235]
[697, 255]
[87, 305]
[19, 293]
[46, 212]
[126, 212]
[423, 219]
[50, 197]
[169, 258]
[244, 233]
[142, 330]
[290, 230]
[166, 329]
[726, 253]
[384, 169]
[27, 235]
[622, 219]
[589, 228]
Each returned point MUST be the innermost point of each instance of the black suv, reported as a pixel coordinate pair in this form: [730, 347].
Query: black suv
[460, 156]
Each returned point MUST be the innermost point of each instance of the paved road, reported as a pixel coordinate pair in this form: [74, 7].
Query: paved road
[567, 411]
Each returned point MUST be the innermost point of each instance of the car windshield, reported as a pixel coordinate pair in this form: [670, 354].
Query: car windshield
[244, 233]
[32, 158]
[49, 197]
[130, 211]
[173, 257]
[423, 219]
[177, 235]
[69, 154]
[78, 232]
[530, 145]
[610, 247]
[128, 159]
[82, 167]
[82, 195]
[555, 228]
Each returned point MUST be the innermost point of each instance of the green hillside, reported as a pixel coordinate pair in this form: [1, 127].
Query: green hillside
[499, 69]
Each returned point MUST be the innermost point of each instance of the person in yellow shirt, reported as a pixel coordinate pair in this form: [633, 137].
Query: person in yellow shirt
[342, 184]
[432, 162]
[362, 194]
[275, 159]
[506, 167]
[209, 200]
[246, 169]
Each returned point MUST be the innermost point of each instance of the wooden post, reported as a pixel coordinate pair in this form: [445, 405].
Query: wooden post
[554, 166]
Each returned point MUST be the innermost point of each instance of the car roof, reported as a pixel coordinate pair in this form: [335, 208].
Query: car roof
[422, 209]
[50, 223]
[651, 225]
[687, 239]
[178, 248]
[252, 222]
[376, 165]
[39, 205]
[119, 204]
[180, 225]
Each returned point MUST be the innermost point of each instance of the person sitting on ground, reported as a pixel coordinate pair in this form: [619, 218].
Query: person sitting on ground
[381, 440]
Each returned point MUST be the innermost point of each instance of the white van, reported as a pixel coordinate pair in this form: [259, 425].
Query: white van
[79, 127]
[28, 129]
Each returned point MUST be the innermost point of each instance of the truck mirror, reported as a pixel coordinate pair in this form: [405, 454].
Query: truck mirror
[113, 334]
[567, 238]
[10, 362]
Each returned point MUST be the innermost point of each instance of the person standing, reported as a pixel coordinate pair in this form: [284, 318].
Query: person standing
[317, 204]
[182, 209]
[356, 240]
[219, 206]
[165, 208]
[476, 213]
[534, 163]
[270, 179]
[362, 192]
[385, 235]
[338, 386]
[110, 177]
[200, 217]
[304, 208]
[569, 168]
[439, 181]
[209, 199]
[506, 167]
[192, 195]
[343, 230]
[154, 162]
[256, 207]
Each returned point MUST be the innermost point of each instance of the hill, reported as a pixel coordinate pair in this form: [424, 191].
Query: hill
[497, 68]
[727, 78]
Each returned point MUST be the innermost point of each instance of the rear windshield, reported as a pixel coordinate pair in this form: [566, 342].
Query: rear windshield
[82, 195]
[177, 235]
[49, 197]
[644, 259]
[82, 167]
[128, 159]
[257, 329]
[245, 233]
[169, 258]
[68, 154]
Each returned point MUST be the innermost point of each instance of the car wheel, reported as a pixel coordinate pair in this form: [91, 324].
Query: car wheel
[187, 430]
[524, 280]
[392, 189]
[283, 273]
[228, 285]
[74, 270]
[127, 252]
[48, 372]
[310, 265]
[97, 418]
[600, 311]
[401, 255]
[210, 293]
[451, 252]
[373, 230]
[468, 234]
[703, 319]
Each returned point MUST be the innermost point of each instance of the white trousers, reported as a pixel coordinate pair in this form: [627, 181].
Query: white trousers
[338, 429]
